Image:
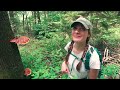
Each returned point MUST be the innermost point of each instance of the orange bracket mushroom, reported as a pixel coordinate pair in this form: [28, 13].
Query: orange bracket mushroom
[22, 40]
[27, 72]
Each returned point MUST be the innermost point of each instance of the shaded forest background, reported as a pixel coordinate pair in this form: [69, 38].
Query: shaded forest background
[49, 32]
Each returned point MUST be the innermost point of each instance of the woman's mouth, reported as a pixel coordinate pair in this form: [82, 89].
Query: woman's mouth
[78, 36]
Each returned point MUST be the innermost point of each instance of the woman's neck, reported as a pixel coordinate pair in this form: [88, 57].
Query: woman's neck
[79, 47]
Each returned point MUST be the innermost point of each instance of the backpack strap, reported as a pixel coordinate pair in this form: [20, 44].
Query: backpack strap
[88, 56]
[100, 55]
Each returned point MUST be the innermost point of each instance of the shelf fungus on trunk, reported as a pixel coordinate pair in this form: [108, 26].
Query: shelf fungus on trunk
[22, 40]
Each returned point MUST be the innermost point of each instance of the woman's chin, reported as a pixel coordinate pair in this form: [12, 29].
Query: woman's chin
[76, 40]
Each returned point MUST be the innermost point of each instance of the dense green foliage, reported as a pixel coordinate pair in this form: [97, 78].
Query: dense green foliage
[49, 32]
[44, 57]
[110, 71]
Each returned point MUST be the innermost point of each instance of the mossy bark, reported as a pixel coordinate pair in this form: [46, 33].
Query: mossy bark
[11, 66]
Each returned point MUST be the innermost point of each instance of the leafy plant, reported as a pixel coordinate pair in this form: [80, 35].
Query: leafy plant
[110, 71]
[44, 57]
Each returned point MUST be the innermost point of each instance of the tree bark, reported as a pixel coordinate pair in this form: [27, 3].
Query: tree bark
[38, 17]
[35, 17]
[23, 21]
[118, 13]
[11, 66]
[13, 21]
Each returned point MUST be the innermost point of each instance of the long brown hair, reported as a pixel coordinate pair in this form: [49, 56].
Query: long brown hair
[69, 51]
[88, 38]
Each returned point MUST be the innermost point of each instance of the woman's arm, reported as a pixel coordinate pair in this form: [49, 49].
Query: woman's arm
[94, 66]
[64, 68]
[93, 73]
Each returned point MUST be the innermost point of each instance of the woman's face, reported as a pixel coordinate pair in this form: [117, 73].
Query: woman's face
[79, 33]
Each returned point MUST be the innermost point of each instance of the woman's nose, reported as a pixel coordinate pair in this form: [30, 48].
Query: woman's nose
[77, 31]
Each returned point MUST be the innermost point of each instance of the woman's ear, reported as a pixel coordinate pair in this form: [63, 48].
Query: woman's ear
[89, 35]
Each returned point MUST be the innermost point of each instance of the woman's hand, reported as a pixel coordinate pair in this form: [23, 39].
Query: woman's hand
[64, 68]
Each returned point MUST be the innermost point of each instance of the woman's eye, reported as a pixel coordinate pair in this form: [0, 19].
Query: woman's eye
[74, 28]
[80, 29]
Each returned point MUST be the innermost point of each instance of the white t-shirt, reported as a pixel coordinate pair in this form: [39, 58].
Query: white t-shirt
[83, 73]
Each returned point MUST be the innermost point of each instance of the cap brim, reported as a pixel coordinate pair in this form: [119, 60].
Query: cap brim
[72, 25]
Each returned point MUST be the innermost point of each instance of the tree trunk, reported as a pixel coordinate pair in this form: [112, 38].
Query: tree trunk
[27, 26]
[12, 20]
[23, 21]
[35, 17]
[11, 66]
[45, 14]
[38, 16]
[118, 13]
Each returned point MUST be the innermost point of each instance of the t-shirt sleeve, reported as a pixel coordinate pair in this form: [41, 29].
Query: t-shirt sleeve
[95, 61]
[67, 46]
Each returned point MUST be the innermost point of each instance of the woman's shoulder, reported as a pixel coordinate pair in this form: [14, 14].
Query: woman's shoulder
[94, 59]
[92, 49]
[67, 46]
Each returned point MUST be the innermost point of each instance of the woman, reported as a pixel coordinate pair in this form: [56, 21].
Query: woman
[74, 64]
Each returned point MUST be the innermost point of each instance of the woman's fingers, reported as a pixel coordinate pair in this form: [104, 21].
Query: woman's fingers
[64, 68]
[65, 71]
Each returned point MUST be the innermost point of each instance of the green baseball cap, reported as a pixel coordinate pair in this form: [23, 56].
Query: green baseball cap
[86, 23]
